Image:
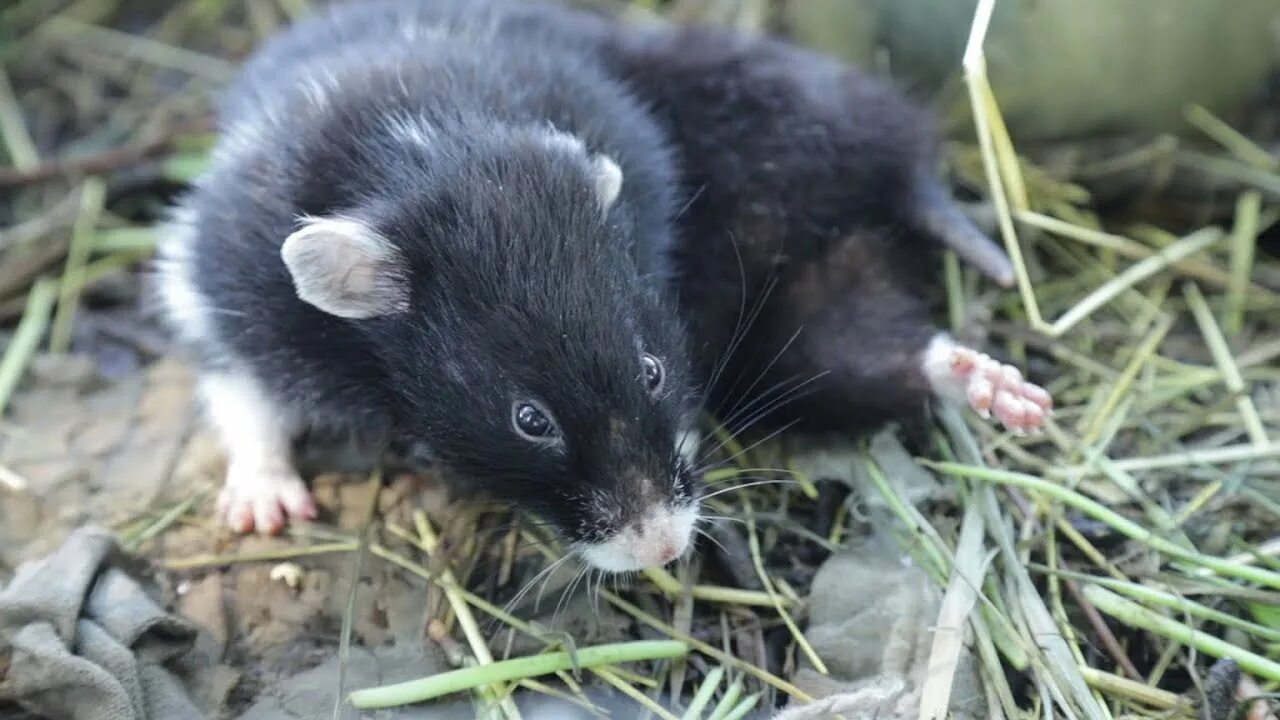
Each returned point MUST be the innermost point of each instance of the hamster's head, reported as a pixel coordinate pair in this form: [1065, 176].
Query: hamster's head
[522, 345]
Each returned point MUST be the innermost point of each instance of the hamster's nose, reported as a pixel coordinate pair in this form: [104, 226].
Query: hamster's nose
[666, 553]
[660, 536]
[661, 542]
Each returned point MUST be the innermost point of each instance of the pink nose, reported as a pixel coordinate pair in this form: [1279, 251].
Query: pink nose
[666, 554]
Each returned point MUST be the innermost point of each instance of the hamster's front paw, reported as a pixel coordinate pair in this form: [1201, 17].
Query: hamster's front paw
[987, 385]
[263, 497]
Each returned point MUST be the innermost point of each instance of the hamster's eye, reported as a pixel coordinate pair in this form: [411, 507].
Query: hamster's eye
[532, 422]
[652, 373]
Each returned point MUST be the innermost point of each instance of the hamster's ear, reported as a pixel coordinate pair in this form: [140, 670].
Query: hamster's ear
[608, 179]
[346, 268]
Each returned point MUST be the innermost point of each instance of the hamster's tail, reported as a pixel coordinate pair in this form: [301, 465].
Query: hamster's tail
[938, 216]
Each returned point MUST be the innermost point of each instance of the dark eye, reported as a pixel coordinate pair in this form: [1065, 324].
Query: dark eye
[652, 373]
[532, 422]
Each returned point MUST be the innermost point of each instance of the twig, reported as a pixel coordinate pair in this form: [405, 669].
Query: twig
[1135, 274]
[13, 129]
[1136, 691]
[142, 48]
[1104, 633]
[1228, 137]
[1244, 240]
[26, 338]
[479, 647]
[203, 561]
[707, 649]
[101, 162]
[984, 112]
[753, 542]
[92, 198]
[672, 587]
[1226, 365]
[349, 613]
[1211, 456]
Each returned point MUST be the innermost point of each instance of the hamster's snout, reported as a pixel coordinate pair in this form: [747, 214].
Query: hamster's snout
[658, 537]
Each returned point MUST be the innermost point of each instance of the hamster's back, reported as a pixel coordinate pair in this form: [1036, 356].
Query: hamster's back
[378, 28]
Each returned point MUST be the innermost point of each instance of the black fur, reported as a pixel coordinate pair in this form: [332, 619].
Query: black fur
[802, 261]
[519, 287]
[802, 178]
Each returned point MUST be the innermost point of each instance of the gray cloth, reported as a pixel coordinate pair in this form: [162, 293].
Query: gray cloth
[871, 621]
[87, 643]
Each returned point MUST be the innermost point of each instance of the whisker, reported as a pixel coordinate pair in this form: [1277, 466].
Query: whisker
[783, 471]
[567, 594]
[756, 310]
[544, 575]
[712, 538]
[734, 430]
[761, 441]
[765, 372]
[744, 486]
[767, 401]
[595, 598]
[541, 589]
[724, 518]
[723, 362]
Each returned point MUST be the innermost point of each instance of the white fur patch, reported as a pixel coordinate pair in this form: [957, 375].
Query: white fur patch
[316, 88]
[688, 442]
[936, 365]
[563, 141]
[346, 269]
[663, 535]
[606, 175]
[186, 310]
[608, 180]
[253, 428]
[412, 130]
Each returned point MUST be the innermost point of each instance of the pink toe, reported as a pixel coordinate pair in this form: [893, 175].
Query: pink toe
[1032, 415]
[990, 371]
[298, 504]
[240, 517]
[1037, 395]
[981, 393]
[1008, 409]
[1010, 377]
[963, 362]
[268, 515]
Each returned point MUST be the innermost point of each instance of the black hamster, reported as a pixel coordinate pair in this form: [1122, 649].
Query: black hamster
[418, 227]
[813, 215]
[811, 210]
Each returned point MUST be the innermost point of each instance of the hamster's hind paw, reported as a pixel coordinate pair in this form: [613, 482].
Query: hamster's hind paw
[988, 386]
[262, 499]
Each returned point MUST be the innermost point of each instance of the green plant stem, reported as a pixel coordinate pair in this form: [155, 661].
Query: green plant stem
[703, 697]
[1131, 613]
[26, 338]
[1171, 601]
[1118, 522]
[92, 197]
[534, 665]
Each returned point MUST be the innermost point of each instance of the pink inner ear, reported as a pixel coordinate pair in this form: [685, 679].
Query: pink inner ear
[345, 268]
